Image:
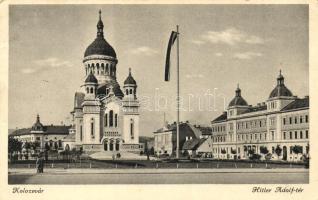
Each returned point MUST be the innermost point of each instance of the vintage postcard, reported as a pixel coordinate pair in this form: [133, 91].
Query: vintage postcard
[158, 100]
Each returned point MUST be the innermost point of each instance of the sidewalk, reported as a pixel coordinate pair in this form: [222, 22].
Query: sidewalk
[27, 171]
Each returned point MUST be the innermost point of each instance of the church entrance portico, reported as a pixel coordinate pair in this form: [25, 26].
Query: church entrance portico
[111, 144]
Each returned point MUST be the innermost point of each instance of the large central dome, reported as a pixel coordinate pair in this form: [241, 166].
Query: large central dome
[100, 46]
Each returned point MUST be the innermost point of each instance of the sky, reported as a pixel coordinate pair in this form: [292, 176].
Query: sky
[221, 46]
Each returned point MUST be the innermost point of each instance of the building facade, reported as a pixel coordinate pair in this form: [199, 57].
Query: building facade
[106, 118]
[46, 136]
[165, 139]
[279, 126]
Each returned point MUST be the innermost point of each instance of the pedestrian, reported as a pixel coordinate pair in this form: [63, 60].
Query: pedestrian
[37, 164]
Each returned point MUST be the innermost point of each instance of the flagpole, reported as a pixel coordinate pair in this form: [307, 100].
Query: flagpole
[178, 94]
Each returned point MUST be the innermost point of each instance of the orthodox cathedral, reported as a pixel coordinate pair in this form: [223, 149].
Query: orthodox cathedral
[106, 117]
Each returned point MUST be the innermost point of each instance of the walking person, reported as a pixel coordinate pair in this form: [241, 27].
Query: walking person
[38, 164]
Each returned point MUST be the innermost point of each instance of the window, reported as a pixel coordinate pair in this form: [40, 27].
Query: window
[131, 128]
[306, 118]
[301, 119]
[111, 118]
[81, 133]
[301, 135]
[306, 134]
[284, 135]
[92, 90]
[273, 150]
[273, 135]
[290, 149]
[106, 120]
[260, 136]
[116, 120]
[296, 135]
[295, 120]
[290, 120]
[92, 127]
[255, 136]
[290, 135]
[130, 91]
[87, 90]
[284, 121]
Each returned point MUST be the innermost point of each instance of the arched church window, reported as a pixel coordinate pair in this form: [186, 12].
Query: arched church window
[97, 68]
[81, 133]
[116, 120]
[106, 120]
[92, 90]
[93, 68]
[103, 68]
[131, 128]
[111, 118]
[130, 91]
[111, 145]
[107, 72]
[87, 90]
[92, 127]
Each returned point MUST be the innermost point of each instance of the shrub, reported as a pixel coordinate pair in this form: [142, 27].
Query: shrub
[268, 156]
[297, 149]
[263, 150]
[255, 157]
[278, 150]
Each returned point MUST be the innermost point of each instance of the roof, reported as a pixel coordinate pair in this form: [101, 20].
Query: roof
[130, 80]
[220, 118]
[78, 99]
[280, 90]
[205, 130]
[193, 143]
[238, 100]
[255, 109]
[297, 104]
[100, 46]
[49, 130]
[101, 90]
[91, 78]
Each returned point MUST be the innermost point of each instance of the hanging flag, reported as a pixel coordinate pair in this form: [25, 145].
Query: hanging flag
[173, 37]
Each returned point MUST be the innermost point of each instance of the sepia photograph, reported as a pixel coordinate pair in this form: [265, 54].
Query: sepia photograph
[158, 94]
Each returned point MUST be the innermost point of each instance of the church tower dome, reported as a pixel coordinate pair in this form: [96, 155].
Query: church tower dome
[130, 86]
[100, 57]
[37, 126]
[100, 46]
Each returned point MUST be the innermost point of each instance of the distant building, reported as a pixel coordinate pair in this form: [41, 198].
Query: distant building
[283, 120]
[166, 140]
[47, 136]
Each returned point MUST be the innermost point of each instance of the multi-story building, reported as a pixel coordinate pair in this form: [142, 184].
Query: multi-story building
[47, 136]
[277, 125]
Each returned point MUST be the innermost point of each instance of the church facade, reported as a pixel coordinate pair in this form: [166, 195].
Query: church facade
[106, 117]
[279, 127]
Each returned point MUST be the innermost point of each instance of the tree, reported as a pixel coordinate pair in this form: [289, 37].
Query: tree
[263, 150]
[278, 151]
[14, 146]
[297, 149]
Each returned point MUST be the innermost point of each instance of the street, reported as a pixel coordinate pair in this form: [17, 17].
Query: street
[163, 178]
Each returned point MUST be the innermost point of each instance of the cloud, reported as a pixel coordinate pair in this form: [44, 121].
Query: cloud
[230, 36]
[198, 42]
[247, 55]
[46, 64]
[218, 54]
[144, 50]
